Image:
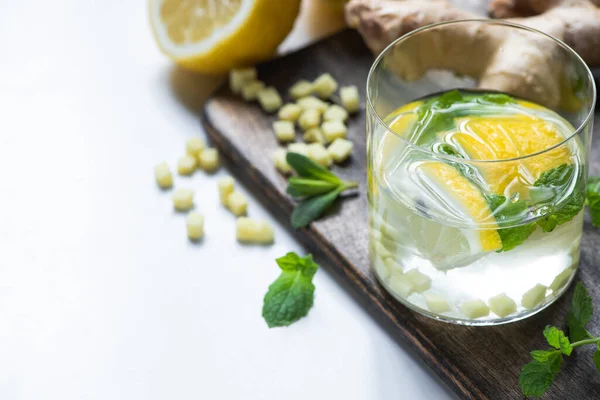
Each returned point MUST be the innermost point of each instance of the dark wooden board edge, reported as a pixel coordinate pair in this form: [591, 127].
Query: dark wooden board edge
[271, 197]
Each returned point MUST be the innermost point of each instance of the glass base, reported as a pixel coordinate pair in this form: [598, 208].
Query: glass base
[478, 322]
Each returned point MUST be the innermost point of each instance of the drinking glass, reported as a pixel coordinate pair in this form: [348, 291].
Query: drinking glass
[481, 223]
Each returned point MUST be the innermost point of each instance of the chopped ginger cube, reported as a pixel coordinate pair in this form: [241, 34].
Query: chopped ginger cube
[311, 102]
[318, 153]
[225, 185]
[420, 281]
[183, 199]
[350, 98]
[290, 112]
[254, 231]
[314, 135]
[301, 89]
[561, 279]
[310, 118]
[534, 296]
[251, 88]
[502, 305]
[279, 159]
[325, 86]
[186, 165]
[333, 130]
[474, 308]
[300, 148]
[194, 146]
[284, 131]
[209, 159]
[400, 285]
[195, 226]
[436, 303]
[237, 78]
[335, 113]
[164, 179]
[237, 203]
[269, 99]
[340, 149]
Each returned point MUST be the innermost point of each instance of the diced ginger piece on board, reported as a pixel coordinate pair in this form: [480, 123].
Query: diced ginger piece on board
[318, 153]
[194, 146]
[335, 113]
[284, 131]
[186, 165]
[280, 161]
[269, 99]
[325, 86]
[333, 130]
[301, 89]
[209, 159]
[250, 89]
[237, 203]
[290, 112]
[340, 149]
[310, 118]
[311, 102]
[237, 78]
[350, 98]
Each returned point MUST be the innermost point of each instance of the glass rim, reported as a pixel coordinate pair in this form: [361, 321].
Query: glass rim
[378, 59]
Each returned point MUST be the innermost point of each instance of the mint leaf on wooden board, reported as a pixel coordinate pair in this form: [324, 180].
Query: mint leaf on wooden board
[301, 187]
[291, 296]
[557, 339]
[580, 313]
[307, 168]
[596, 357]
[593, 196]
[311, 209]
[537, 376]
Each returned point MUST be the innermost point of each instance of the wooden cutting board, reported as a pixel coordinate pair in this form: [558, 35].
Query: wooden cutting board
[476, 362]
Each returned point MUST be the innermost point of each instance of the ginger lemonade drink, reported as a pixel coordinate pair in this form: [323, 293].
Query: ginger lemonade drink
[476, 197]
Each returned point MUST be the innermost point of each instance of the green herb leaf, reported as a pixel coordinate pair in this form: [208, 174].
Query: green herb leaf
[557, 339]
[291, 296]
[300, 187]
[307, 168]
[311, 209]
[593, 195]
[497, 98]
[541, 355]
[580, 313]
[505, 212]
[556, 179]
[596, 357]
[537, 376]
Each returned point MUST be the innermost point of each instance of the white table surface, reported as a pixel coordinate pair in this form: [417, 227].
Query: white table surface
[101, 294]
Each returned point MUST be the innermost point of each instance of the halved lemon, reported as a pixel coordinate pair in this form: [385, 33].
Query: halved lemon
[213, 36]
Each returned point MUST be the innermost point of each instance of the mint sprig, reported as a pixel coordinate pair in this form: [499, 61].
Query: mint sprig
[537, 376]
[555, 180]
[593, 198]
[504, 212]
[291, 296]
[316, 186]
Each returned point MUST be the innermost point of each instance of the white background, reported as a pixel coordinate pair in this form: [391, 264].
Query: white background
[101, 294]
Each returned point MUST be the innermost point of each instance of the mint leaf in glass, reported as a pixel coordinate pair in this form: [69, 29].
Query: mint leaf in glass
[505, 212]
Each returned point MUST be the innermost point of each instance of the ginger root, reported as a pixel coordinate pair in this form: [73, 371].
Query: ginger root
[516, 63]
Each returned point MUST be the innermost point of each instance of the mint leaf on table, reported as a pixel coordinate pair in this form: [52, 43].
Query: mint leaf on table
[555, 179]
[580, 313]
[557, 339]
[537, 376]
[593, 196]
[505, 212]
[316, 186]
[596, 357]
[291, 296]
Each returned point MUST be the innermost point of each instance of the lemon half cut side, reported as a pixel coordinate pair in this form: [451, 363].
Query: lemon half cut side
[213, 36]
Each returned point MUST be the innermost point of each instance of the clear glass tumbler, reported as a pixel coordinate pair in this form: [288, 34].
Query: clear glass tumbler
[478, 137]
